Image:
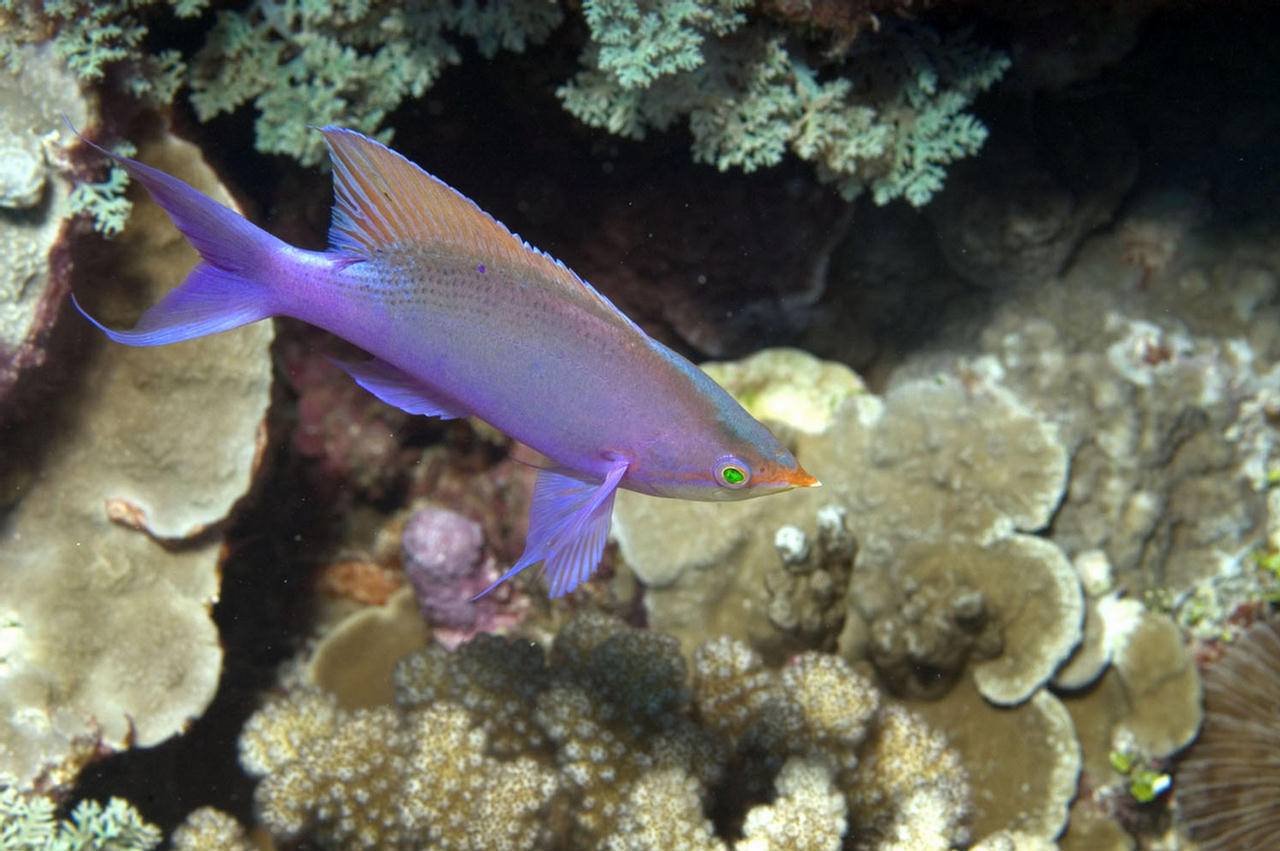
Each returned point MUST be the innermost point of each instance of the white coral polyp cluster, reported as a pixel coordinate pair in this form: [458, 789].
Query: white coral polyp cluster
[808, 815]
[628, 755]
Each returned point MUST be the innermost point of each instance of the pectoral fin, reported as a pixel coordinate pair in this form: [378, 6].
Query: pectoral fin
[568, 525]
[397, 387]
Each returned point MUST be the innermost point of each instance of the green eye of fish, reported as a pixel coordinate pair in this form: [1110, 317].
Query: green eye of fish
[731, 473]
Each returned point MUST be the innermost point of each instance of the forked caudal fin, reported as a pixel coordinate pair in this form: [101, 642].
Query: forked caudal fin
[227, 290]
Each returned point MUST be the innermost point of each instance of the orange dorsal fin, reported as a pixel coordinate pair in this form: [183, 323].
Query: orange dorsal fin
[382, 200]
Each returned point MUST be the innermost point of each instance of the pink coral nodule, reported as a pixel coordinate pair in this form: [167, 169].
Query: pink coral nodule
[442, 553]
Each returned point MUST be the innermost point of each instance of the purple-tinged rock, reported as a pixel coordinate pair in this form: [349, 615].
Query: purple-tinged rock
[442, 553]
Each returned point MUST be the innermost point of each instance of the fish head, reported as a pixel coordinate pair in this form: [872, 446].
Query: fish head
[737, 458]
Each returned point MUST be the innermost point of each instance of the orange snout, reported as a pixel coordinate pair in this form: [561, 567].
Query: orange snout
[798, 478]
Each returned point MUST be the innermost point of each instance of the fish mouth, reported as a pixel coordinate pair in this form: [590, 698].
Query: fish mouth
[798, 478]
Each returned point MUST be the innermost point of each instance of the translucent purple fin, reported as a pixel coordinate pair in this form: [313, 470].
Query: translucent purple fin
[208, 301]
[223, 292]
[381, 200]
[568, 525]
[397, 387]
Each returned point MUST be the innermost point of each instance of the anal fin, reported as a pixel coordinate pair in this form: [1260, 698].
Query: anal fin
[397, 387]
[568, 525]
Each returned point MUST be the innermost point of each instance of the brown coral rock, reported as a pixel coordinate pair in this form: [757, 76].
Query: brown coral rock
[1024, 761]
[109, 641]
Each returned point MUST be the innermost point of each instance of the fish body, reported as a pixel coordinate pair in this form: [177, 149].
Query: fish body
[463, 318]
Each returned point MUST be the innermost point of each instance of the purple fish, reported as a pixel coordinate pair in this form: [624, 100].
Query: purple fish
[463, 318]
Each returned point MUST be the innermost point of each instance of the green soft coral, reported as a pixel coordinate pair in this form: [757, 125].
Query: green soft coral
[105, 203]
[305, 63]
[91, 37]
[751, 98]
[938, 78]
[887, 117]
[28, 824]
[638, 42]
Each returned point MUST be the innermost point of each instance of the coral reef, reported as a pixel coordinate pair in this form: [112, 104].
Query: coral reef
[29, 824]
[1108, 622]
[1153, 355]
[923, 642]
[807, 815]
[92, 39]
[22, 177]
[1011, 611]
[350, 63]
[807, 590]
[1164, 418]
[1014, 840]
[109, 561]
[749, 99]
[1025, 760]
[442, 554]
[936, 479]
[788, 386]
[33, 200]
[883, 111]
[604, 742]
[340, 776]
[498, 680]
[207, 829]
[1161, 687]
[901, 781]
[940, 482]
[354, 658]
[1226, 784]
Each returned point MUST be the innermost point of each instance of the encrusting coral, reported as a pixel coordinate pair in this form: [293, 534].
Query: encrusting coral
[1026, 760]
[109, 560]
[606, 743]
[34, 203]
